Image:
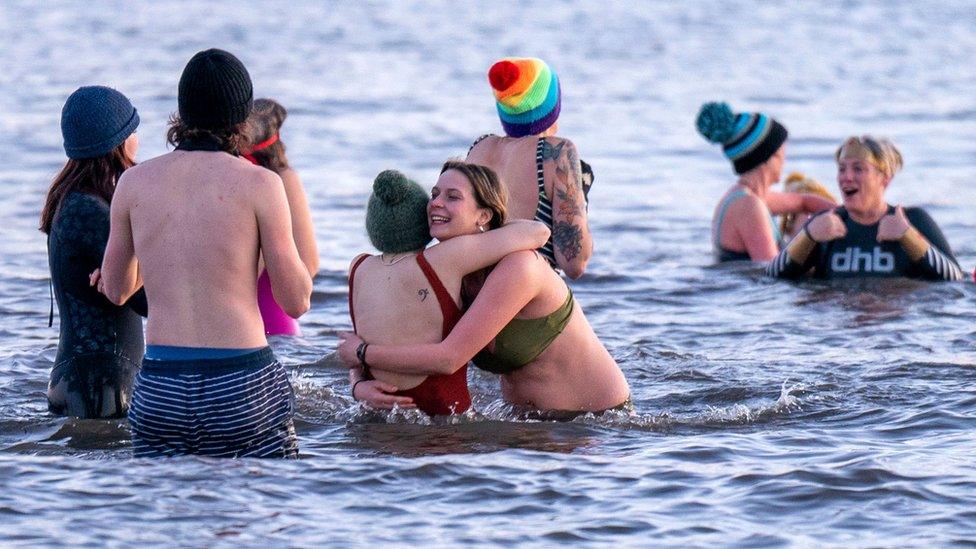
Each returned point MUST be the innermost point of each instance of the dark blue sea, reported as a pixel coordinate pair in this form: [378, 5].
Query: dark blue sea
[768, 413]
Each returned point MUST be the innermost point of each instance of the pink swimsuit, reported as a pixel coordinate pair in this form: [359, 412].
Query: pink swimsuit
[276, 321]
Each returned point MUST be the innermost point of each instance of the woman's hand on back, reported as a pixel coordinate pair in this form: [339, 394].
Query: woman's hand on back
[378, 394]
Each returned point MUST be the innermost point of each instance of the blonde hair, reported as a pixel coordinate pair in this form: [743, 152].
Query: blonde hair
[796, 182]
[488, 190]
[880, 152]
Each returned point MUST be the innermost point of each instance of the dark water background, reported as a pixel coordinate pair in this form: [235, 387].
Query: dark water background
[769, 413]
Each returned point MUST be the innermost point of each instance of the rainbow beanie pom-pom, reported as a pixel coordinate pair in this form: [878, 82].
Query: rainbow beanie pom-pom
[527, 95]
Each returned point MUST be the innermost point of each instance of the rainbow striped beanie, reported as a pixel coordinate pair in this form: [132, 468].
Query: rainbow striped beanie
[748, 139]
[527, 95]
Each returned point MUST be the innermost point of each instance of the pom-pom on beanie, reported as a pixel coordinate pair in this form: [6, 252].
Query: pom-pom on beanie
[748, 139]
[396, 215]
[215, 91]
[527, 95]
[95, 120]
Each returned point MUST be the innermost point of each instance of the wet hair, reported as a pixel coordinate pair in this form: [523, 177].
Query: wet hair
[96, 176]
[231, 139]
[488, 190]
[267, 116]
[880, 152]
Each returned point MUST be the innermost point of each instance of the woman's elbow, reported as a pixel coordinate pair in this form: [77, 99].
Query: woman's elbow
[575, 269]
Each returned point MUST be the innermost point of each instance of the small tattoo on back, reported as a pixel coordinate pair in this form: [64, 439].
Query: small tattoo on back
[423, 293]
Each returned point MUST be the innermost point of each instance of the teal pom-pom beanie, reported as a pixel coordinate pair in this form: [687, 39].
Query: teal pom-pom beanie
[396, 214]
[747, 139]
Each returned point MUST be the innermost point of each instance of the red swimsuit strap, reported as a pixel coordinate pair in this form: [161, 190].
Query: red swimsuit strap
[448, 307]
[352, 275]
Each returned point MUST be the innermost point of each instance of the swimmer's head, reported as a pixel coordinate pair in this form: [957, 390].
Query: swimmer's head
[263, 127]
[396, 215]
[747, 139]
[879, 152]
[487, 190]
[215, 97]
[527, 95]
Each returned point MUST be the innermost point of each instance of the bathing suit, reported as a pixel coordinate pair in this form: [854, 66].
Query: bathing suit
[543, 210]
[859, 254]
[437, 395]
[276, 320]
[238, 406]
[524, 339]
[724, 254]
[100, 344]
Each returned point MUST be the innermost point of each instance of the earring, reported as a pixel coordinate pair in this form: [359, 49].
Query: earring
[481, 228]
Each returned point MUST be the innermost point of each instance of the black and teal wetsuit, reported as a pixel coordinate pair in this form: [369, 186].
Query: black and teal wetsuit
[860, 255]
[101, 344]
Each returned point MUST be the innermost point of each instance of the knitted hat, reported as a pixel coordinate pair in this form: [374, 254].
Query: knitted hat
[215, 91]
[396, 215]
[748, 139]
[95, 120]
[527, 95]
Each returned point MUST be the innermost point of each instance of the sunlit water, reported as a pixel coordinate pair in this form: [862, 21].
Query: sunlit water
[768, 413]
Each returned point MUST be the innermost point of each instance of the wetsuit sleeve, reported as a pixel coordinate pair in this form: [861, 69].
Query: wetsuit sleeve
[797, 258]
[938, 263]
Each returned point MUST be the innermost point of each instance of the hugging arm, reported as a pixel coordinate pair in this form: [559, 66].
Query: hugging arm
[509, 287]
[469, 253]
[780, 203]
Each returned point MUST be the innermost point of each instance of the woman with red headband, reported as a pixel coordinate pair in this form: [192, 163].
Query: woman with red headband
[268, 151]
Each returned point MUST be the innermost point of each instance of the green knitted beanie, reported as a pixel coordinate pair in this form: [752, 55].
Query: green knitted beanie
[396, 216]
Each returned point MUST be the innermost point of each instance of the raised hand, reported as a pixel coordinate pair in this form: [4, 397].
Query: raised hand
[826, 227]
[893, 226]
[378, 395]
[348, 342]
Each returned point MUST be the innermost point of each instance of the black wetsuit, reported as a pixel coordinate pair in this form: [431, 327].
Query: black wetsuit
[101, 344]
[860, 255]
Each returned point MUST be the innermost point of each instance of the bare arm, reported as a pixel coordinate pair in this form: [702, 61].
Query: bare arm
[780, 203]
[301, 221]
[571, 238]
[120, 270]
[469, 253]
[750, 220]
[291, 283]
[512, 284]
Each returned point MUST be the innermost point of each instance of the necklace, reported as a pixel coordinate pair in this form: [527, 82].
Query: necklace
[392, 262]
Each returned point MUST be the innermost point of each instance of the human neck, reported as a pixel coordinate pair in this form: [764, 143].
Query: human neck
[755, 182]
[869, 216]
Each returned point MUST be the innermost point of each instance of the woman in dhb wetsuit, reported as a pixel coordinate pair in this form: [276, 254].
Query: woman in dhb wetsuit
[524, 324]
[268, 150]
[742, 226]
[542, 173]
[409, 294]
[101, 345]
[867, 237]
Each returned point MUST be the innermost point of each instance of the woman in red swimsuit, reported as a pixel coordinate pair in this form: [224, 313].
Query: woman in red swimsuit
[409, 294]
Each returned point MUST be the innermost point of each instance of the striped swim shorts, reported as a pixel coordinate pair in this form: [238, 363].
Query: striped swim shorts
[229, 407]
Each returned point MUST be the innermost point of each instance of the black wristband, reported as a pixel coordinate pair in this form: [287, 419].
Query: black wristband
[361, 353]
[352, 392]
[806, 231]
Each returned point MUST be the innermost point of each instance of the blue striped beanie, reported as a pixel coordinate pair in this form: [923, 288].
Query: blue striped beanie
[748, 139]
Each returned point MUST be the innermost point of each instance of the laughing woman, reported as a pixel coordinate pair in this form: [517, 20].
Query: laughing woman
[524, 325]
[867, 237]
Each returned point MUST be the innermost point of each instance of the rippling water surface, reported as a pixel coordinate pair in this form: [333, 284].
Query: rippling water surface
[768, 413]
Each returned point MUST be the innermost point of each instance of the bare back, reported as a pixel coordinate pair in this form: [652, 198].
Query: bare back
[513, 159]
[195, 234]
[396, 304]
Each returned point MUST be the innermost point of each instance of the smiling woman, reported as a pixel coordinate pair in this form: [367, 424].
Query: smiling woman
[867, 237]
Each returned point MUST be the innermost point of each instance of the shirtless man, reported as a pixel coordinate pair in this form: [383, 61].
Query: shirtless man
[189, 226]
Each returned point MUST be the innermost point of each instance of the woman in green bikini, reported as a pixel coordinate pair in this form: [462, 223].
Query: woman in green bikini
[524, 323]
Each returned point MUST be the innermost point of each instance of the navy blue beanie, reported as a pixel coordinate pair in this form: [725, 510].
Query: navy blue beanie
[95, 120]
[215, 91]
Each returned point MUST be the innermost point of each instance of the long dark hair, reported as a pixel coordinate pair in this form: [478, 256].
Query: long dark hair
[95, 176]
[232, 139]
[265, 121]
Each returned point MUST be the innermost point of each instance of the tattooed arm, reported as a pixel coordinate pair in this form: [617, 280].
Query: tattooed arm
[572, 242]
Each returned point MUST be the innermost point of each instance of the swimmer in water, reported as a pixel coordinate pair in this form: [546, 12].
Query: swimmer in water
[743, 227]
[542, 172]
[268, 151]
[192, 224]
[866, 236]
[524, 325]
[409, 294]
[100, 344]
